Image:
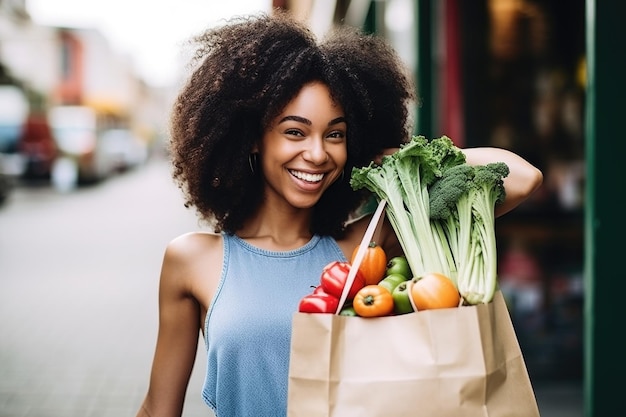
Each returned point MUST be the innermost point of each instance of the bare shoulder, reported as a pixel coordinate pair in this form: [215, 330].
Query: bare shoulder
[193, 263]
[189, 246]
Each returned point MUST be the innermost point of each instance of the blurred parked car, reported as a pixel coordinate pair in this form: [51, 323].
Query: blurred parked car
[124, 148]
[13, 111]
[6, 183]
[37, 146]
[75, 129]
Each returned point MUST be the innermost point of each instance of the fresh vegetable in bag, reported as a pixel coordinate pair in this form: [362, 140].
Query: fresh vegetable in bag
[442, 210]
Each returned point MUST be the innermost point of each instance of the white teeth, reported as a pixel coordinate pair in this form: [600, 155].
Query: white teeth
[307, 177]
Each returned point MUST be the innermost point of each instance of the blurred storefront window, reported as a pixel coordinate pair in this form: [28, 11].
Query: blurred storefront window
[523, 88]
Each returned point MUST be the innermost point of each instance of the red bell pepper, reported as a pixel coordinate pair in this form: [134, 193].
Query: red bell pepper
[334, 277]
[319, 303]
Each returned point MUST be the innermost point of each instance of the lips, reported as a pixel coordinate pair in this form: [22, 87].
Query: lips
[306, 176]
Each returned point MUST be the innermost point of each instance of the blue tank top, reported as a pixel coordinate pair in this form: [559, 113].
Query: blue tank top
[248, 325]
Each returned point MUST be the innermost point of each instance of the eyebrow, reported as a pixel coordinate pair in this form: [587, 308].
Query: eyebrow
[309, 123]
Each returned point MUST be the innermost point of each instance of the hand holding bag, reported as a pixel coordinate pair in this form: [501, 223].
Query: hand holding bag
[453, 362]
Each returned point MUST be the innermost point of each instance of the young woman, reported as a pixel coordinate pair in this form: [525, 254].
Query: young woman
[264, 136]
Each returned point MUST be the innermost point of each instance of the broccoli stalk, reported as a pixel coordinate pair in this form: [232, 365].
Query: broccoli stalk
[477, 275]
[448, 208]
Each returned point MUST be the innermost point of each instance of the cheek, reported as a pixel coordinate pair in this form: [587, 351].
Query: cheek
[340, 155]
[277, 153]
[342, 163]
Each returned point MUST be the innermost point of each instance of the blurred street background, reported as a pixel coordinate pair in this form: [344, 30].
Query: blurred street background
[87, 205]
[78, 295]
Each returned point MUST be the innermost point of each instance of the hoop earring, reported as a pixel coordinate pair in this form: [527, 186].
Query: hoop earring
[343, 175]
[253, 161]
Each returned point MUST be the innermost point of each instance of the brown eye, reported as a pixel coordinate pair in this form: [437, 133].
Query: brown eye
[294, 132]
[336, 136]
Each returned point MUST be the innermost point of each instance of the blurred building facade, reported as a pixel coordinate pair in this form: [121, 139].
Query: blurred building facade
[57, 66]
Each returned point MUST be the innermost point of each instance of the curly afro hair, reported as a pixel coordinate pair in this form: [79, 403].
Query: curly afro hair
[245, 73]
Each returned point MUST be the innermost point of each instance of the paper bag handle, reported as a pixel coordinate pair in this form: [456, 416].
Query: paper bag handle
[373, 227]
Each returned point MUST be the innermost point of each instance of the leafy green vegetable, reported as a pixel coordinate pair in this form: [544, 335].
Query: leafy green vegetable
[403, 179]
[449, 209]
[442, 211]
[462, 208]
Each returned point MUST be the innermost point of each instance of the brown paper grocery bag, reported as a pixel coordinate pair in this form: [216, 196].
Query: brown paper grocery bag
[454, 362]
[457, 362]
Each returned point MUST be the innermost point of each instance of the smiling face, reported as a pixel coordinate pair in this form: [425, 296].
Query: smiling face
[304, 150]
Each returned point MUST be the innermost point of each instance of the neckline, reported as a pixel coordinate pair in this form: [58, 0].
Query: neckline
[279, 254]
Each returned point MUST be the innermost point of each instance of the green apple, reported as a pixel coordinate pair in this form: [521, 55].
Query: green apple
[401, 300]
[399, 265]
[348, 311]
[390, 282]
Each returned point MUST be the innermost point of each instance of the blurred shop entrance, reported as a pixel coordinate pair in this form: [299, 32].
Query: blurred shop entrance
[522, 87]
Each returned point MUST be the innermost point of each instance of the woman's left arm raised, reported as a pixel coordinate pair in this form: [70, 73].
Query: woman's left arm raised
[523, 179]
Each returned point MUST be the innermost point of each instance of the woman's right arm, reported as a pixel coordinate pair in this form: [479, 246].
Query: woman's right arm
[177, 341]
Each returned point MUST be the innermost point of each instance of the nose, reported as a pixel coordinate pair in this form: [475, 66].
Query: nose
[316, 152]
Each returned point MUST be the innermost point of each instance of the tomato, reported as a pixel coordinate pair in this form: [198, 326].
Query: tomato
[374, 263]
[334, 276]
[318, 303]
[373, 301]
[434, 290]
[390, 282]
[399, 265]
[401, 298]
